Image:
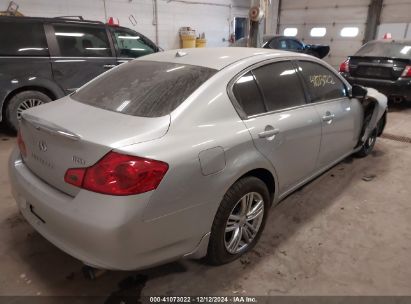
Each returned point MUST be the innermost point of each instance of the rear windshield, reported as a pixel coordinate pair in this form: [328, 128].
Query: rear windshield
[144, 88]
[386, 49]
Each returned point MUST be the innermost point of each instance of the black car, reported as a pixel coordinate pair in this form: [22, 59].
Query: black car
[43, 59]
[289, 44]
[384, 65]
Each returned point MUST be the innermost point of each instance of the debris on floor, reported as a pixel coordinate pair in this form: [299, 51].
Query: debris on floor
[369, 177]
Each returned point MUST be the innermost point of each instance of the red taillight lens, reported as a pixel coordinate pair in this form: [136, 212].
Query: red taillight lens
[119, 174]
[345, 66]
[75, 176]
[407, 71]
[21, 144]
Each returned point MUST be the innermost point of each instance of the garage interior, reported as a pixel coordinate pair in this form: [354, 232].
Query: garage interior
[347, 232]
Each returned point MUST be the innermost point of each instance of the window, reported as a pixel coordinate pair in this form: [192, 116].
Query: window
[318, 32]
[82, 41]
[280, 44]
[248, 95]
[131, 44]
[294, 45]
[349, 32]
[22, 39]
[386, 48]
[280, 85]
[322, 83]
[144, 88]
[290, 31]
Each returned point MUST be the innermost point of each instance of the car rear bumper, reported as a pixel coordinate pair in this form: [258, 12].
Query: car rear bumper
[391, 88]
[102, 231]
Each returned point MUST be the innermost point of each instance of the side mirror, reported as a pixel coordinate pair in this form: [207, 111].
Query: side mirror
[358, 91]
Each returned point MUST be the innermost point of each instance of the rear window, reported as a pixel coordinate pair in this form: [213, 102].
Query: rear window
[144, 88]
[22, 39]
[386, 49]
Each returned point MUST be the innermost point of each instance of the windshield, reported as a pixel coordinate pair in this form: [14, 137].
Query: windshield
[144, 88]
[391, 49]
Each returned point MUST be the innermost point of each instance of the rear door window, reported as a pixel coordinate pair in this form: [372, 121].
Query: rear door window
[322, 83]
[22, 39]
[248, 95]
[82, 41]
[144, 88]
[280, 85]
[131, 44]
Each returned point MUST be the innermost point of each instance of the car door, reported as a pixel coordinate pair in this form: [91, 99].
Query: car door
[130, 44]
[284, 128]
[329, 95]
[80, 52]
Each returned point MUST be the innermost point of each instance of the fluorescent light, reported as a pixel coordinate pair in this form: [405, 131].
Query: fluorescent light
[30, 49]
[405, 49]
[129, 37]
[70, 34]
[175, 69]
[318, 32]
[123, 105]
[290, 31]
[96, 49]
[137, 49]
[245, 79]
[349, 32]
[287, 72]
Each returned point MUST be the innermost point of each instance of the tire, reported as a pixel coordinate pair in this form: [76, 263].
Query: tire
[20, 101]
[219, 249]
[368, 145]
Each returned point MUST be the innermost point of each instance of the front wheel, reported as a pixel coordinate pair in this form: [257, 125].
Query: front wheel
[239, 221]
[368, 145]
[20, 102]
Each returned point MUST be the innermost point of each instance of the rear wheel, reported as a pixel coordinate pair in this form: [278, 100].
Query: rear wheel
[20, 102]
[239, 221]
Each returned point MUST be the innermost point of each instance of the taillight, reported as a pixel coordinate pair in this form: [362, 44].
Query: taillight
[21, 144]
[407, 71]
[345, 66]
[119, 174]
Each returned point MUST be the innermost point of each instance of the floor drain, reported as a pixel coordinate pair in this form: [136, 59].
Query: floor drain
[399, 138]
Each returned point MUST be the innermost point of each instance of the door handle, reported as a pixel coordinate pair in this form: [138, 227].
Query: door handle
[268, 133]
[328, 117]
[109, 66]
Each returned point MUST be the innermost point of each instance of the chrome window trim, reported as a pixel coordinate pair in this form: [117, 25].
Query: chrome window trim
[244, 115]
[232, 82]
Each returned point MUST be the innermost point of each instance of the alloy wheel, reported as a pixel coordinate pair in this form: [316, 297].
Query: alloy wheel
[244, 222]
[27, 104]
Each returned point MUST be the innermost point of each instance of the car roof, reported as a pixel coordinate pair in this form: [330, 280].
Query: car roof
[68, 19]
[214, 58]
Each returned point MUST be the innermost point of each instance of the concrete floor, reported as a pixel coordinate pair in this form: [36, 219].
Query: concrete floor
[339, 235]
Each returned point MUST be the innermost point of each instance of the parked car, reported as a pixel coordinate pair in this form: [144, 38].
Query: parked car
[288, 44]
[43, 59]
[181, 154]
[384, 65]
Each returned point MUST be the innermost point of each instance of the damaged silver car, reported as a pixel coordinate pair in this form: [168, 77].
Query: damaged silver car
[182, 154]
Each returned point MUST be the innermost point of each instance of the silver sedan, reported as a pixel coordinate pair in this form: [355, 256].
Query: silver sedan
[182, 153]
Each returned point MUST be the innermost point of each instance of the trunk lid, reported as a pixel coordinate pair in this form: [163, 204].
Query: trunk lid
[377, 67]
[68, 134]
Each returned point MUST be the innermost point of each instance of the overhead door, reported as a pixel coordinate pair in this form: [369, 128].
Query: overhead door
[395, 19]
[340, 24]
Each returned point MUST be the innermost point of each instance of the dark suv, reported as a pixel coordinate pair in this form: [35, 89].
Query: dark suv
[43, 59]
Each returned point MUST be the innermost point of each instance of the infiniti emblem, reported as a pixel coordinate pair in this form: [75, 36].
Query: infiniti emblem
[42, 146]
